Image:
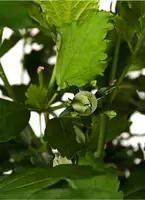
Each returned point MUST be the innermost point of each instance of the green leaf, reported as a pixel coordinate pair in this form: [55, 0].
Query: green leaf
[32, 180]
[127, 22]
[13, 119]
[62, 11]
[36, 97]
[73, 66]
[15, 14]
[130, 23]
[60, 135]
[116, 126]
[67, 193]
[110, 113]
[107, 184]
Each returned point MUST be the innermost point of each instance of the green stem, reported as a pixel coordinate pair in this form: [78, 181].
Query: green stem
[69, 117]
[1, 34]
[134, 53]
[115, 59]
[3, 75]
[50, 88]
[10, 91]
[52, 80]
[63, 105]
[52, 100]
[102, 135]
[12, 95]
[23, 53]
[40, 79]
[120, 79]
[53, 77]
[46, 117]
[139, 43]
[53, 114]
[130, 48]
[94, 127]
[40, 125]
[7, 84]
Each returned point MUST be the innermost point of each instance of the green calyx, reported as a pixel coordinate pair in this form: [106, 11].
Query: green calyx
[84, 103]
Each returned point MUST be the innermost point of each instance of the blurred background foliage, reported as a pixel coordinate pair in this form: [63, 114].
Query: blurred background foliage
[129, 32]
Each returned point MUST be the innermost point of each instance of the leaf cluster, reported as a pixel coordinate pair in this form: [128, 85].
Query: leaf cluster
[77, 155]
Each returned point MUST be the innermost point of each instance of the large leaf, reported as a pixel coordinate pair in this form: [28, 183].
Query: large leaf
[13, 119]
[67, 193]
[62, 11]
[73, 66]
[106, 184]
[60, 135]
[26, 183]
[15, 14]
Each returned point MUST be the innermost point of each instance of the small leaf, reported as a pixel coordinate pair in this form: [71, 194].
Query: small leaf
[36, 97]
[73, 66]
[58, 160]
[111, 114]
[13, 119]
[60, 135]
[80, 137]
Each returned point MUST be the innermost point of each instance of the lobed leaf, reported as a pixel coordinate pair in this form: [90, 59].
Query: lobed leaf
[60, 12]
[81, 57]
[36, 97]
[35, 179]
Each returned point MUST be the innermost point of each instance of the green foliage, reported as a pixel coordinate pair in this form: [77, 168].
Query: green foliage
[13, 119]
[94, 51]
[36, 97]
[62, 12]
[60, 135]
[15, 14]
[66, 193]
[107, 184]
[72, 70]
[135, 185]
[115, 126]
[33, 180]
